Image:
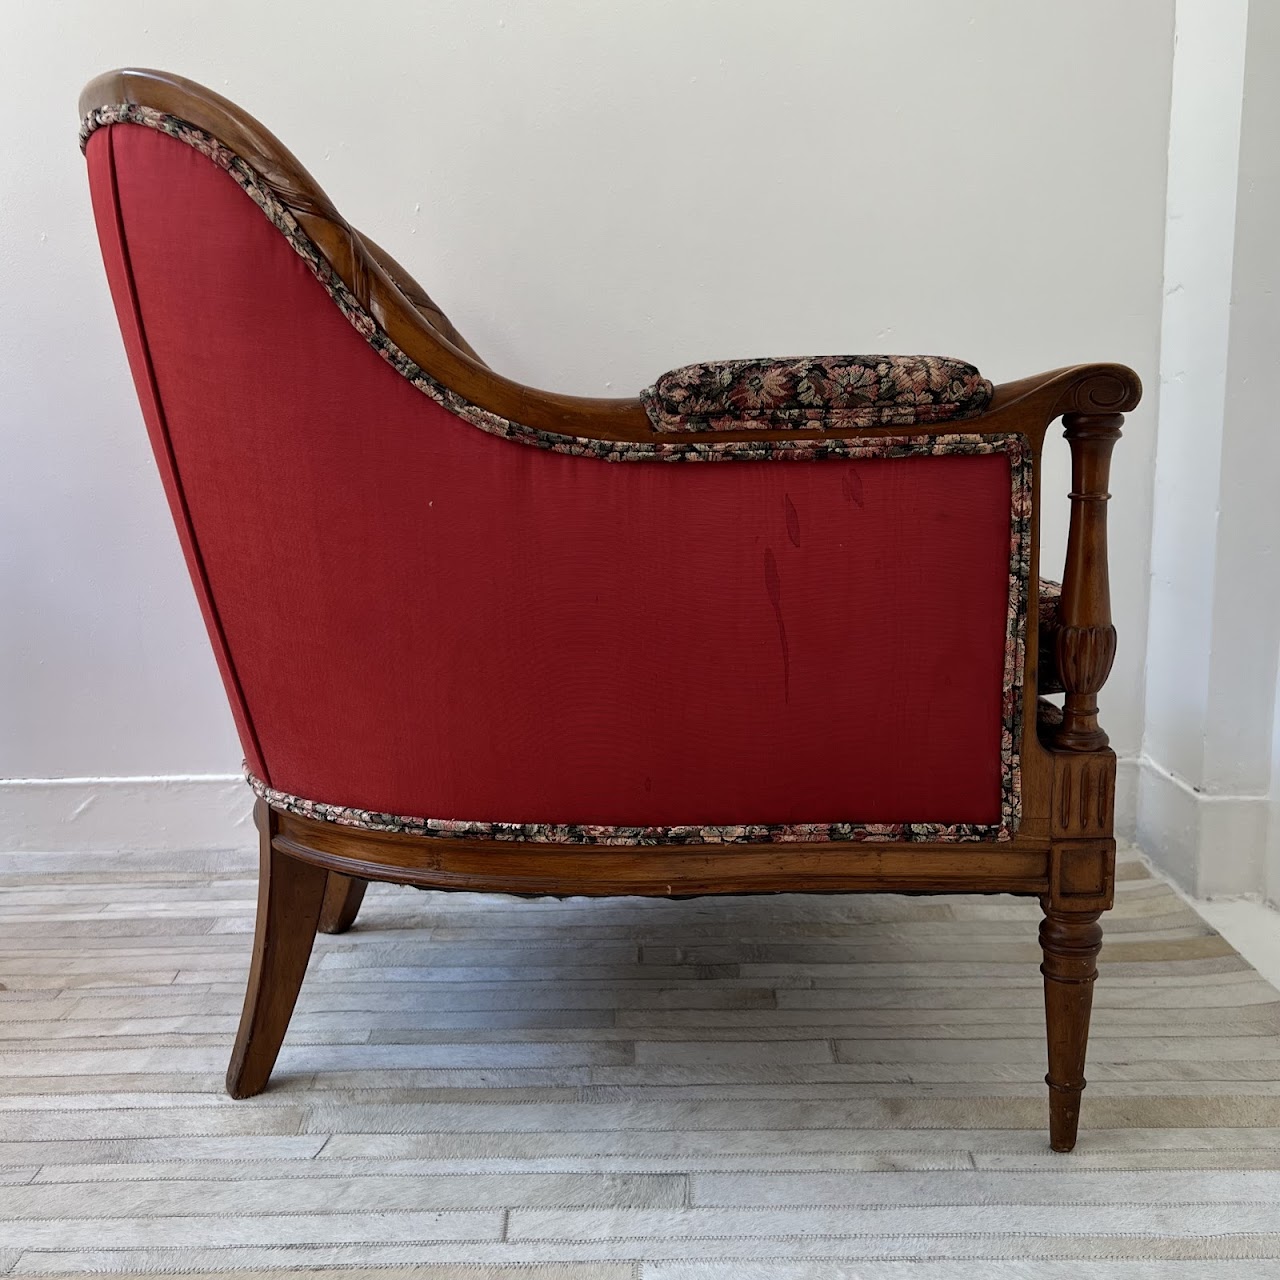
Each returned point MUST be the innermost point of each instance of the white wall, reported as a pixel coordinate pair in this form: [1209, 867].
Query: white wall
[1244, 738]
[595, 193]
[1207, 791]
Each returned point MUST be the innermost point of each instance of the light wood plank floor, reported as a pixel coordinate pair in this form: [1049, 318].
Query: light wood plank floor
[787, 1088]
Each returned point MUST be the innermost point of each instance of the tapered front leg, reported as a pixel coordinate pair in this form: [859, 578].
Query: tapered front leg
[1070, 941]
[342, 898]
[290, 895]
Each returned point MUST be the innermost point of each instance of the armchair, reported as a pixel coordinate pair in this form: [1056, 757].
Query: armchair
[762, 628]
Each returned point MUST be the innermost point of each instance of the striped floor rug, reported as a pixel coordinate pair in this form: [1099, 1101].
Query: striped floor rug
[786, 1088]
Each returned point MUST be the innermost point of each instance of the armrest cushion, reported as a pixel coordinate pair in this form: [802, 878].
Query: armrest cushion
[815, 392]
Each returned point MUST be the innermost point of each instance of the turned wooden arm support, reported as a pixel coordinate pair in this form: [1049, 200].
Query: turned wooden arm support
[1086, 640]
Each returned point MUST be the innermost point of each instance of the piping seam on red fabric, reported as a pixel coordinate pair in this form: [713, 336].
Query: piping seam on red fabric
[202, 578]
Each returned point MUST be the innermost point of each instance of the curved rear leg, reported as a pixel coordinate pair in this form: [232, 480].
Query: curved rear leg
[342, 898]
[290, 894]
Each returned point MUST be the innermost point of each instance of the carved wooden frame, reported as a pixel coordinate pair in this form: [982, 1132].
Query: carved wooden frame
[313, 873]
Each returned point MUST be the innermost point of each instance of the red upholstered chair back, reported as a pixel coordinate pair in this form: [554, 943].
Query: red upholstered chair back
[416, 616]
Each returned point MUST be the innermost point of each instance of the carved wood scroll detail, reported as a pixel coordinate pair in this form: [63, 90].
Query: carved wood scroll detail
[1105, 388]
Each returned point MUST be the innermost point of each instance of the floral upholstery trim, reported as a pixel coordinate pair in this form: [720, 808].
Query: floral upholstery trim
[1050, 615]
[1015, 446]
[815, 391]
[583, 833]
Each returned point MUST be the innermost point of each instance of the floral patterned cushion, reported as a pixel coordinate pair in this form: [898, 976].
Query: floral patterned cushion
[815, 392]
[1050, 617]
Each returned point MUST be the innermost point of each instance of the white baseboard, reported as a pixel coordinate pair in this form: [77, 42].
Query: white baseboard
[1128, 770]
[76, 815]
[1211, 846]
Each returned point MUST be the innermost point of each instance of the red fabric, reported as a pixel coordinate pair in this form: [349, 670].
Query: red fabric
[428, 620]
[100, 155]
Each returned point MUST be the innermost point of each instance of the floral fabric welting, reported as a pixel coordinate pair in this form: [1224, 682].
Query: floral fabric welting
[816, 391]
[584, 833]
[937, 386]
